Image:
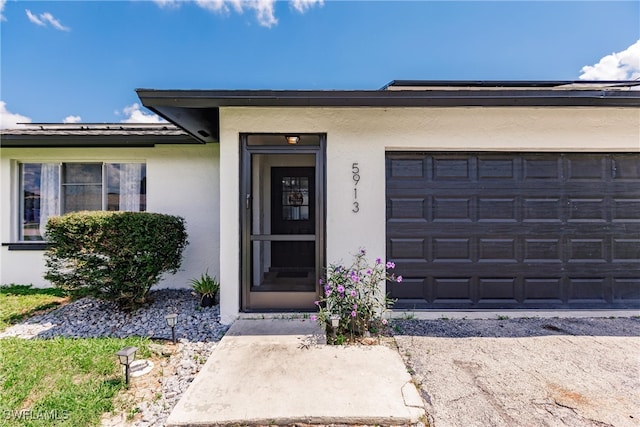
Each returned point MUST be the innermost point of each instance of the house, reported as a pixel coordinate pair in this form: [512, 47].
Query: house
[486, 195]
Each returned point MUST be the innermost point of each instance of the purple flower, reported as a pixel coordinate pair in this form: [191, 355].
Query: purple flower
[369, 272]
[362, 252]
[317, 303]
[327, 292]
[314, 317]
[353, 313]
[391, 264]
[355, 306]
[320, 281]
[378, 260]
[355, 278]
[384, 321]
[341, 289]
[353, 293]
[399, 279]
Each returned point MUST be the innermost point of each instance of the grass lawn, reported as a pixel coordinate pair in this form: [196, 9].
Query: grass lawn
[17, 302]
[62, 381]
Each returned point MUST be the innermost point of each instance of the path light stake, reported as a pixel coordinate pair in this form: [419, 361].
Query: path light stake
[172, 319]
[126, 356]
[335, 322]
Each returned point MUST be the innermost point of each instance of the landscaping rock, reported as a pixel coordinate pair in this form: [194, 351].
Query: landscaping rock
[198, 330]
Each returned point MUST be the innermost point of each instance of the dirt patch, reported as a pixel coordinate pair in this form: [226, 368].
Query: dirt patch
[146, 388]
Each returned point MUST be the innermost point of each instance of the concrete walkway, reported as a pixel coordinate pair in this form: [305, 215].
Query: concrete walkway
[276, 371]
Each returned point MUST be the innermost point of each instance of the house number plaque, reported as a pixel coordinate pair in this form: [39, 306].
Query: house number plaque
[355, 170]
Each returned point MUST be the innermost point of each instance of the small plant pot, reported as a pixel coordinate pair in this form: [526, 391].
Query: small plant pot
[207, 301]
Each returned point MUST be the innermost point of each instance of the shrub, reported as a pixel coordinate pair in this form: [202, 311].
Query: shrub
[117, 256]
[352, 297]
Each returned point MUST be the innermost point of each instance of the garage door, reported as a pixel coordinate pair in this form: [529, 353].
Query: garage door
[505, 230]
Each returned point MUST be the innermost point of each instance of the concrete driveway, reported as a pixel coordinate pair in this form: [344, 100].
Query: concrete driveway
[526, 372]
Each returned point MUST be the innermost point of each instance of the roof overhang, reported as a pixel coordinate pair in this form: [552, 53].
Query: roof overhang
[60, 135]
[197, 111]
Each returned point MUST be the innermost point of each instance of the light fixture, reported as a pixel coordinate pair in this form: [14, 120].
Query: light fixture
[126, 356]
[335, 320]
[292, 139]
[172, 319]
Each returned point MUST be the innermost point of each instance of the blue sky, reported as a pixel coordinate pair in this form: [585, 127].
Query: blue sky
[82, 60]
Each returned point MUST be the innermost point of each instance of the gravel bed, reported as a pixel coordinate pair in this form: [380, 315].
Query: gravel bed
[518, 327]
[90, 318]
[198, 330]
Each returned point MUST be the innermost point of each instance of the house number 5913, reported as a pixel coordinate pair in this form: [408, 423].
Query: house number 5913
[355, 170]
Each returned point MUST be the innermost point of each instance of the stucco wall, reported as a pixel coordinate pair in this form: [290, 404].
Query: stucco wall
[181, 180]
[363, 136]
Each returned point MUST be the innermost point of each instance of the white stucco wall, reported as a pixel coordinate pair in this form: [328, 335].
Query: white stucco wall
[181, 180]
[364, 135]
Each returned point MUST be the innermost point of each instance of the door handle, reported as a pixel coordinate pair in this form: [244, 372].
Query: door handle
[248, 201]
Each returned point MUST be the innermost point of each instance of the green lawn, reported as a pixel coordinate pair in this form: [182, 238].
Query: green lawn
[61, 381]
[17, 302]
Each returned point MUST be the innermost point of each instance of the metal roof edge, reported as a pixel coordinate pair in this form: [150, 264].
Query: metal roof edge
[91, 140]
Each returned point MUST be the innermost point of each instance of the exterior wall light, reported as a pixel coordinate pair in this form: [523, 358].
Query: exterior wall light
[126, 356]
[292, 139]
[172, 319]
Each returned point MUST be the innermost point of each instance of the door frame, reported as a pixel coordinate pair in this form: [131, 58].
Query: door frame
[279, 301]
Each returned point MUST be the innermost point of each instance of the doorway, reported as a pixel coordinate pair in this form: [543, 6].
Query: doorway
[282, 228]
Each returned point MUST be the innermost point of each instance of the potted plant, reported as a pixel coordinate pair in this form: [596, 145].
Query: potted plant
[208, 288]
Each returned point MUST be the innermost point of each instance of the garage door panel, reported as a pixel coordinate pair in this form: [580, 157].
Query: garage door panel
[408, 208]
[452, 209]
[586, 250]
[626, 210]
[539, 289]
[626, 290]
[589, 289]
[408, 249]
[504, 230]
[498, 289]
[592, 210]
[497, 169]
[407, 168]
[542, 209]
[625, 168]
[542, 169]
[586, 168]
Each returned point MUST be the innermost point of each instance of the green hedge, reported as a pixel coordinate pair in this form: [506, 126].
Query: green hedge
[117, 256]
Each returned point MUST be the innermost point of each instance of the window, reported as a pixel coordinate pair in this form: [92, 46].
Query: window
[295, 198]
[49, 189]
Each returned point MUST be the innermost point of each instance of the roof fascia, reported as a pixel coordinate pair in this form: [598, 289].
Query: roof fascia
[157, 100]
[93, 141]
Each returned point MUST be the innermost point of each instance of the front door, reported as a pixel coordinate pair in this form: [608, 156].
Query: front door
[283, 222]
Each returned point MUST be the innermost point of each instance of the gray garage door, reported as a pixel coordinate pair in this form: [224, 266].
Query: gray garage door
[505, 230]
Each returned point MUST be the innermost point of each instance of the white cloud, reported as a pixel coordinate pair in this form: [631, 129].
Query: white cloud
[46, 18]
[54, 22]
[2, 3]
[264, 9]
[167, 3]
[33, 18]
[72, 119]
[135, 115]
[624, 65]
[9, 120]
[303, 5]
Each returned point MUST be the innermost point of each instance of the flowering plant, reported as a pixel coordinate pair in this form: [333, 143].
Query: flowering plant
[352, 300]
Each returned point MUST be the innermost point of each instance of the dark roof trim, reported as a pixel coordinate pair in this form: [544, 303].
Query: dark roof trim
[94, 135]
[196, 111]
[157, 99]
[60, 141]
[532, 84]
